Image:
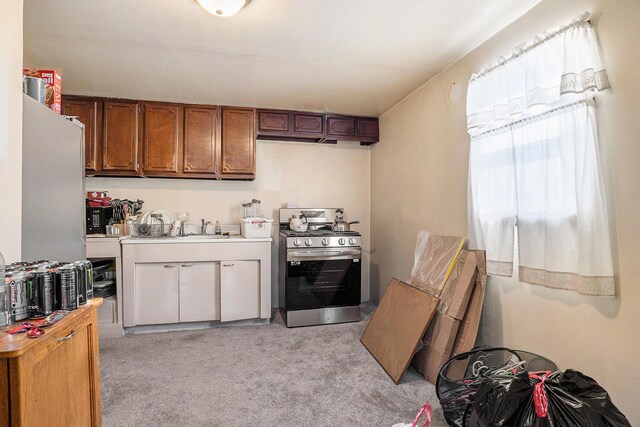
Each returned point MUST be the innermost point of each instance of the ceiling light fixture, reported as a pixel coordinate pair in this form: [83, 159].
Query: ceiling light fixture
[223, 7]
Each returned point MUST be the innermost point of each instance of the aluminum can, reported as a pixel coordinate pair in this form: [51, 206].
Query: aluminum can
[68, 286]
[41, 296]
[89, 275]
[81, 282]
[19, 296]
[6, 314]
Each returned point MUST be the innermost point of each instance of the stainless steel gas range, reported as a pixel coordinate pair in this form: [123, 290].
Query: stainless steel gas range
[320, 270]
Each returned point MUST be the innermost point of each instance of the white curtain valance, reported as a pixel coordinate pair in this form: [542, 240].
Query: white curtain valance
[556, 68]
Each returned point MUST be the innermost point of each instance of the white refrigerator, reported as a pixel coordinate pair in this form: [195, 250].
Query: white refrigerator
[53, 196]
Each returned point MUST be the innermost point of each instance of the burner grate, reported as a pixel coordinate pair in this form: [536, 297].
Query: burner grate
[318, 233]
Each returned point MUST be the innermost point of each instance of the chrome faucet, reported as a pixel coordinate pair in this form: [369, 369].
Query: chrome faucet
[203, 229]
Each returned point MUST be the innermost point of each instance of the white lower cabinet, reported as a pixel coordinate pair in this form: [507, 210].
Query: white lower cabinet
[239, 290]
[172, 281]
[199, 291]
[156, 293]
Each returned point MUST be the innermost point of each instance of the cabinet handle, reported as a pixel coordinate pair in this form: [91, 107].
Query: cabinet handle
[186, 265]
[170, 266]
[228, 265]
[68, 337]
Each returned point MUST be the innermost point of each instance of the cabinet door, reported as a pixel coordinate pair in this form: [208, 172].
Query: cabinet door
[273, 123]
[341, 127]
[239, 290]
[201, 141]
[162, 139]
[66, 368]
[156, 294]
[120, 138]
[199, 291]
[367, 129]
[308, 125]
[89, 113]
[238, 144]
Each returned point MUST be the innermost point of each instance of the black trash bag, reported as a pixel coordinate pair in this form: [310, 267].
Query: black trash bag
[462, 375]
[573, 399]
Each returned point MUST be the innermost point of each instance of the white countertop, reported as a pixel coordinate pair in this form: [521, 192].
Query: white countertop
[191, 239]
[102, 238]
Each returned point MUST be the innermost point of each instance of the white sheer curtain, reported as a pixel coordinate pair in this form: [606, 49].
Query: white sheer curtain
[534, 163]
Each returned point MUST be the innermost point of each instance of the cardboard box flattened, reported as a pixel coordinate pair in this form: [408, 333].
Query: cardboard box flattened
[397, 326]
[468, 331]
[457, 291]
[438, 344]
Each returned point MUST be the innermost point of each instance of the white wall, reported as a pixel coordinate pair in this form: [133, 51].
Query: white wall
[314, 175]
[10, 129]
[419, 181]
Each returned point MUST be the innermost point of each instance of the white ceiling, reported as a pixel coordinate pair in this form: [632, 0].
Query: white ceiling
[342, 56]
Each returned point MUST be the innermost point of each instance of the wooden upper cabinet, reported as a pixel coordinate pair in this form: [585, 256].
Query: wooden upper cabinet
[238, 144]
[120, 148]
[367, 130]
[346, 128]
[201, 130]
[89, 113]
[290, 125]
[308, 125]
[162, 139]
[274, 122]
[340, 127]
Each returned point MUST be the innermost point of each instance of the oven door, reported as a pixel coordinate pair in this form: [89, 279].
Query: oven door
[319, 278]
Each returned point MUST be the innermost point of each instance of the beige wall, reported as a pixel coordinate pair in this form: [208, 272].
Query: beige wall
[314, 175]
[419, 181]
[10, 129]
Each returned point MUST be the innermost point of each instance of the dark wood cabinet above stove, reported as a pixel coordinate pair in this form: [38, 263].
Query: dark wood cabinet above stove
[282, 125]
[274, 123]
[347, 128]
[290, 126]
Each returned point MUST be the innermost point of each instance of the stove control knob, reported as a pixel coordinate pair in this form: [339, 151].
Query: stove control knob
[352, 241]
[325, 242]
[296, 242]
[341, 241]
[308, 242]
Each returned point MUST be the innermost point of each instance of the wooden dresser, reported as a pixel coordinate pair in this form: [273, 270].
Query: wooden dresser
[53, 380]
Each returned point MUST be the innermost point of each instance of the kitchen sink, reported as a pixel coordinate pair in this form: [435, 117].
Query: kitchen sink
[204, 236]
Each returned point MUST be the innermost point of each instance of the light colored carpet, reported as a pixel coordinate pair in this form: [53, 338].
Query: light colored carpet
[264, 375]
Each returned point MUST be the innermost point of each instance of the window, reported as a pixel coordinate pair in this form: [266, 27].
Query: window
[534, 165]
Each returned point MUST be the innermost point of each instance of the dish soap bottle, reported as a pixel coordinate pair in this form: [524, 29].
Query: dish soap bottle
[218, 229]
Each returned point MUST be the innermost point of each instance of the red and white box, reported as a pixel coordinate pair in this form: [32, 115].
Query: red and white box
[53, 79]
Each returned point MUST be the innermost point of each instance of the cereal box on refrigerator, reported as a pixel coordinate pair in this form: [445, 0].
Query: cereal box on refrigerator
[53, 79]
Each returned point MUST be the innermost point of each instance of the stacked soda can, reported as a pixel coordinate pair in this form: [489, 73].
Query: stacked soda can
[37, 289]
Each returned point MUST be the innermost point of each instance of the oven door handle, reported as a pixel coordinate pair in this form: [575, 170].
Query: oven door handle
[322, 255]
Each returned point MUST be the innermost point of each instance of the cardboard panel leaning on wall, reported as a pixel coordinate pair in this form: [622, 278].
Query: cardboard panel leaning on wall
[455, 328]
[438, 342]
[397, 326]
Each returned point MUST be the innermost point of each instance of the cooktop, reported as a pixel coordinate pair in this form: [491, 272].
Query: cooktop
[316, 233]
